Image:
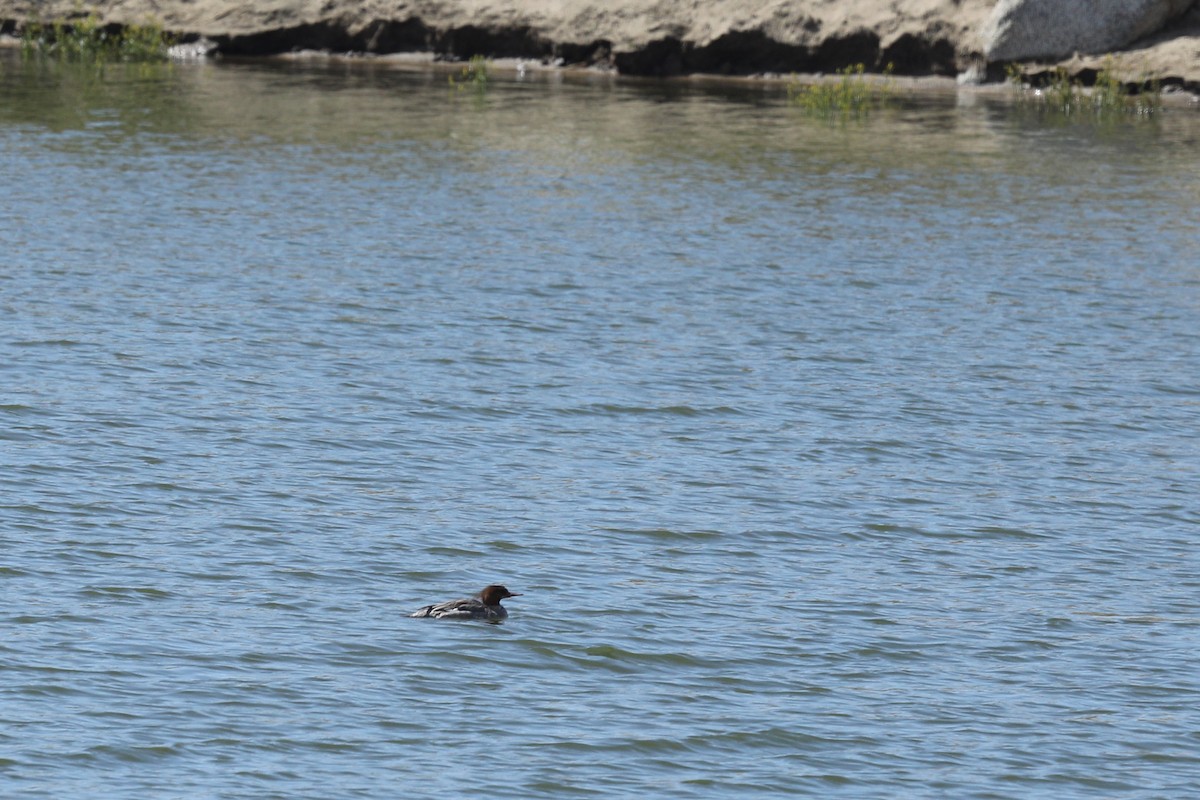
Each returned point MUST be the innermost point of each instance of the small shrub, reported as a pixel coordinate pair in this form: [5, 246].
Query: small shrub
[146, 42]
[1108, 96]
[85, 39]
[1015, 78]
[1062, 93]
[474, 75]
[851, 94]
[1111, 95]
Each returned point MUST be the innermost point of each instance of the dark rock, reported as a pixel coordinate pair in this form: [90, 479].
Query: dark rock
[915, 55]
[747, 53]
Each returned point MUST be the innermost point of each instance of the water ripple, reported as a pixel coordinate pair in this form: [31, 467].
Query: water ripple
[853, 461]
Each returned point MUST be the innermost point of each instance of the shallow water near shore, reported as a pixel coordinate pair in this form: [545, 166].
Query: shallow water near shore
[834, 457]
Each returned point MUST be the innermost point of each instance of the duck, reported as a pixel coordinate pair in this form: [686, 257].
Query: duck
[484, 606]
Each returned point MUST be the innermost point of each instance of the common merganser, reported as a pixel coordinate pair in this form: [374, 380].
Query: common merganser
[485, 605]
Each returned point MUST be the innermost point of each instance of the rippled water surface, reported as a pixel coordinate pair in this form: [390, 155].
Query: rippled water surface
[833, 457]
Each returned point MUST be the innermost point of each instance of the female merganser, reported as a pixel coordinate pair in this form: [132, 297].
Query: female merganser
[485, 605]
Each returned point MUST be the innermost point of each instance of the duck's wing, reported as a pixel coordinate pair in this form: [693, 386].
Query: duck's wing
[451, 609]
[461, 609]
[426, 611]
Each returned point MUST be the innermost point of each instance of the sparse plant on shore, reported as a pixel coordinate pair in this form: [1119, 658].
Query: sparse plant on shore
[851, 94]
[1016, 78]
[86, 39]
[1109, 95]
[474, 75]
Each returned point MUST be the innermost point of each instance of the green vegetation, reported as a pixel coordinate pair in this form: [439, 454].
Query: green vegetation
[85, 39]
[474, 75]
[1107, 97]
[852, 94]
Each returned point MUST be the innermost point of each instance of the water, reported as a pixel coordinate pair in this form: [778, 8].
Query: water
[834, 458]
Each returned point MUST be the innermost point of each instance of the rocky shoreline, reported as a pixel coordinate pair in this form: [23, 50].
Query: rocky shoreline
[652, 38]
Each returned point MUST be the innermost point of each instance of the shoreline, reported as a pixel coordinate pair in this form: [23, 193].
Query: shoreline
[913, 85]
[929, 44]
[928, 85]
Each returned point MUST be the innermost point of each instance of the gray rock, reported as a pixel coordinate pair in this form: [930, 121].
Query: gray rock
[1023, 29]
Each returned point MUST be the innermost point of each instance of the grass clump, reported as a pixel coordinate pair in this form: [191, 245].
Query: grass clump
[1108, 96]
[851, 94]
[86, 39]
[474, 75]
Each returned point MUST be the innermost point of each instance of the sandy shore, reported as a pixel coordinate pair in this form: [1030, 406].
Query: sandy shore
[635, 37]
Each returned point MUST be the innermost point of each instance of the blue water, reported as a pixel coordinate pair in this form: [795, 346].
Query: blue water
[833, 457]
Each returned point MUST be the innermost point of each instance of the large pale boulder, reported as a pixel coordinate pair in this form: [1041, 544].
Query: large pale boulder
[1023, 29]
